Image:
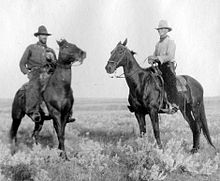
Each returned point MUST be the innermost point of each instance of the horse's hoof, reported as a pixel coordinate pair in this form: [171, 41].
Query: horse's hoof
[160, 146]
[13, 150]
[63, 155]
[35, 139]
[142, 134]
[13, 147]
[194, 150]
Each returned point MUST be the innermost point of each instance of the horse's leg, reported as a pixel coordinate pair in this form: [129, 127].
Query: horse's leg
[141, 122]
[194, 126]
[59, 125]
[37, 129]
[155, 124]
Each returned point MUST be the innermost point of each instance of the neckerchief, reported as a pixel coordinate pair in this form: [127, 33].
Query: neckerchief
[163, 38]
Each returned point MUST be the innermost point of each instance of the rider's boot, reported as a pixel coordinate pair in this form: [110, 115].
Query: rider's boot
[169, 108]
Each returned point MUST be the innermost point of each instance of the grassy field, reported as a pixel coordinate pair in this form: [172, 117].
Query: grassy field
[103, 145]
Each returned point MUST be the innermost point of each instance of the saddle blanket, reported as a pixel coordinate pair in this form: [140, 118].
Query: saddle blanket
[181, 83]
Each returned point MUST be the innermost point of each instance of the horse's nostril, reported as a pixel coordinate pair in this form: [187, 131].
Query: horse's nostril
[83, 54]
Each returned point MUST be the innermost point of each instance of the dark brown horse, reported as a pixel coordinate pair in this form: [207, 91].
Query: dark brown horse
[146, 95]
[57, 96]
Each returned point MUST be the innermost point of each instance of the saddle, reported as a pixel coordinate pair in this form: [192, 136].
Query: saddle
[181, 83]
[180, 80]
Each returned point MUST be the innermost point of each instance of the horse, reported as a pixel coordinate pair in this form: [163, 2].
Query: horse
[57, 96]
[146, 95]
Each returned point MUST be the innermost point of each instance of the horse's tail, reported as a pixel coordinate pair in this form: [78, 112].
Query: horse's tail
[204, 124]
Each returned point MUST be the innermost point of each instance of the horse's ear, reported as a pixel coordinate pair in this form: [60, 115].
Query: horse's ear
[61, 42]
[119, 43]
[125, 42]
[58, 42]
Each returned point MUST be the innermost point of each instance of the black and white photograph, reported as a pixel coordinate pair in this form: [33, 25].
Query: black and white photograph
[110, 90]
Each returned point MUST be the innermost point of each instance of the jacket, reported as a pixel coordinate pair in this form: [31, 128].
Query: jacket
[34, 56]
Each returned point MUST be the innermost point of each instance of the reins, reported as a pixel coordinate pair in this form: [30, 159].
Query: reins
[121, 75]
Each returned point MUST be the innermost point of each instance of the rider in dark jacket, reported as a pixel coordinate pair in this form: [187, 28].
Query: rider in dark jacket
[38, 61]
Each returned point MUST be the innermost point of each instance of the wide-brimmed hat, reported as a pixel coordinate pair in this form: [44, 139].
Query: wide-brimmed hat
[163, 24]
[42, 30]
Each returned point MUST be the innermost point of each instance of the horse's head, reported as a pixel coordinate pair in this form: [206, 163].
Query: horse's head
[117, 57]
[70, 53]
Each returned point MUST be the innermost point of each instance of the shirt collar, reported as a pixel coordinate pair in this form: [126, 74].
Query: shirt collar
[41, 44]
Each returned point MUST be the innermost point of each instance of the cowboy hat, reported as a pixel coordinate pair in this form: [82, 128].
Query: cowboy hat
[42, 30]
[163, 24]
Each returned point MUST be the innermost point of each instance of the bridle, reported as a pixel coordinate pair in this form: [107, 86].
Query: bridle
[116, 64]
[69, 65]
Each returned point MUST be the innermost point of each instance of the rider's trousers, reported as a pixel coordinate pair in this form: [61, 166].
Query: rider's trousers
[37, 79]
[169, 76]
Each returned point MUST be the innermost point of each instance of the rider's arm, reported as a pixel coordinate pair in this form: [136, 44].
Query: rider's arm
[152, 58]
[170, 52]
[24, 60]
[155, 50]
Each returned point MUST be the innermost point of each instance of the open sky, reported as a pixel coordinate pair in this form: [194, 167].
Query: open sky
[97, 26]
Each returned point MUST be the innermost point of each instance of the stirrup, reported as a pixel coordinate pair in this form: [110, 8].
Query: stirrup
[173, 108]
[170, 109]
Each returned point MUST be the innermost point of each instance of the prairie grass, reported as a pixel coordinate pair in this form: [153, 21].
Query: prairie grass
[104, 145]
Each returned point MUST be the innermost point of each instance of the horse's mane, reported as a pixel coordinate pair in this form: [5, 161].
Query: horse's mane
[133, 52]
[150, 69]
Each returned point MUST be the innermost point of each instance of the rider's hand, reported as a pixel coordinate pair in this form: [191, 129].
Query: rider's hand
[50, 56]
[152, 59]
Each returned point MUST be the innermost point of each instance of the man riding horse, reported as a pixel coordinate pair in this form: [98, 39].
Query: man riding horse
[164, 54]
[38, 62]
